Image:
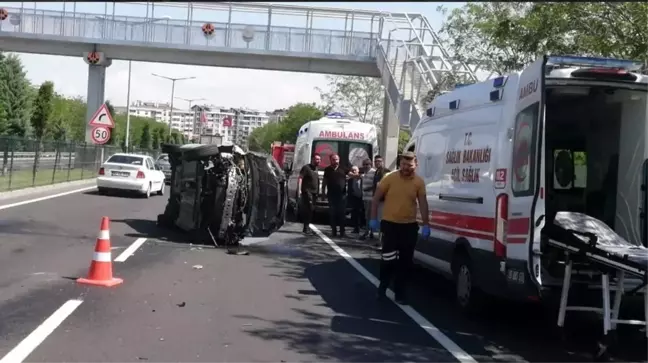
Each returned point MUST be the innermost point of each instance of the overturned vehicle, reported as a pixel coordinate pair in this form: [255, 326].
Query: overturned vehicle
[222, 194]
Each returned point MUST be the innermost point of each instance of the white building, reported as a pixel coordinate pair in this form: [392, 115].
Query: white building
[243, 121]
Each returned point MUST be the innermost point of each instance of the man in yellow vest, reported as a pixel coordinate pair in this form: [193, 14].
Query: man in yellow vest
[401, 190]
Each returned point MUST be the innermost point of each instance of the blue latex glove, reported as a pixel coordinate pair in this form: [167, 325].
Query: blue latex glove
[373, 224]
[425, 231]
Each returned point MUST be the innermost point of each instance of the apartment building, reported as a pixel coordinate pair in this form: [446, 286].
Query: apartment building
[191, 122]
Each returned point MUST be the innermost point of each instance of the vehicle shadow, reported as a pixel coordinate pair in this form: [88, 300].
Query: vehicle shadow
[114, 194]
[145, 228]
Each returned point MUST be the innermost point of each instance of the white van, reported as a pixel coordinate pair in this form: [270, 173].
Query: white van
[565, 134]
[353, 141]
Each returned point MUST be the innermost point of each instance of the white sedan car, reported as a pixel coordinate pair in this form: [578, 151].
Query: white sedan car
[130, 172]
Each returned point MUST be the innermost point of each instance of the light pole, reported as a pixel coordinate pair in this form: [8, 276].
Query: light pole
[173, 81]
[192, 100]
[130, 64]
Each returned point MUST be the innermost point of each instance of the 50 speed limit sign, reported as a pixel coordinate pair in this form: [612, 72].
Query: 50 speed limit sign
[100, 135]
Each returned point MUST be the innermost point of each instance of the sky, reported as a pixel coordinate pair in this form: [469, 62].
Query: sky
[229, 87]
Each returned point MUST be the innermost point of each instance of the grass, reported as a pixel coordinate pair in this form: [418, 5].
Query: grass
[19, 179]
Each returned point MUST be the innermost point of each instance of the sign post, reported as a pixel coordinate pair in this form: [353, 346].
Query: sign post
[100, 135]
[101, 123]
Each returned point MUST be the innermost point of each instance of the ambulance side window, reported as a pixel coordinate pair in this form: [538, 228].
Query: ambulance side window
[524, 151]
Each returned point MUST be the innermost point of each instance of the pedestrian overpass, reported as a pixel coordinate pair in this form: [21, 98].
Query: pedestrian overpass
[401, 49]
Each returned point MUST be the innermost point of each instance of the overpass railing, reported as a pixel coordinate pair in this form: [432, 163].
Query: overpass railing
[176, 32]
[28, 163]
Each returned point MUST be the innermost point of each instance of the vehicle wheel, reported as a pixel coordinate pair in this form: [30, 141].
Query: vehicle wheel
[201, 152]
[171, 148]
[161, 191]
[148, 192]
[467, 294]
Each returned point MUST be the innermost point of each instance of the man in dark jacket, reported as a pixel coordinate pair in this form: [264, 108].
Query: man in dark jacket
[334, 186]
[309, 187]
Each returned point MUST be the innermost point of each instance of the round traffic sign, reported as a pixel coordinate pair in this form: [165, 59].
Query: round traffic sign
[100, 135]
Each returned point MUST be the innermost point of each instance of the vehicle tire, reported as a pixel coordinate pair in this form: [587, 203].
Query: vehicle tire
[170, 148]
[201, 152]
[147, 194]
[468, 296]
[161, 191]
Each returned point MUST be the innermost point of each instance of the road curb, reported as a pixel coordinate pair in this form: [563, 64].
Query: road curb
[44, 188]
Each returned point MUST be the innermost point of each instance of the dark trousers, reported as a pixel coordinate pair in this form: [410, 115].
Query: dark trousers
[307, 208]
[337, 211]
[398, 243]
[357, 212]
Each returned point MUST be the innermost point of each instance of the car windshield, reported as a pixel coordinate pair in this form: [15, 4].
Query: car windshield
[125, 159]
[351, 153]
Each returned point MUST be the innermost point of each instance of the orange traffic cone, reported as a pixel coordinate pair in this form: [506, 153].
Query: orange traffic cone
[100, 273]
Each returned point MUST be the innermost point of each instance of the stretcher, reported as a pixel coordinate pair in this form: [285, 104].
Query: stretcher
[590, 244]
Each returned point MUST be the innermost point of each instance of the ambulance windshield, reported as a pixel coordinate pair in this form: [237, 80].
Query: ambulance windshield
[350, 152]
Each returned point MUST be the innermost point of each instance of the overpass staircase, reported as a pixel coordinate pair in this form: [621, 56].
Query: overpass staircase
[413, 63]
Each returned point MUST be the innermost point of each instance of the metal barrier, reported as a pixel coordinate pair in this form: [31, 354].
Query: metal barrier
[28, 163]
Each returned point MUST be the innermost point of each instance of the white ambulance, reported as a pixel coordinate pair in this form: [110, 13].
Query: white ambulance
[353, 141]
[565, 134]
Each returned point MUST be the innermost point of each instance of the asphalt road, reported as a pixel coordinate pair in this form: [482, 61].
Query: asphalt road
[294, 298]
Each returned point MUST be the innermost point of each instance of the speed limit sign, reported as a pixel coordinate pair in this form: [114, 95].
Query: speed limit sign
[100, 135]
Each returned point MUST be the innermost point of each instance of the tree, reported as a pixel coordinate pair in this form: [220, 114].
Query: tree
[403, 139]
[155, 139]
[115, 132]
[145, 139]
[42, 110]
[15, 91]
[286, 130]
[360, 97]
[504, 37]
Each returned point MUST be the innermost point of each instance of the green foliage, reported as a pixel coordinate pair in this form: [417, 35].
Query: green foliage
[42, 109]
[505, 36]
[297, 115]
[27, 111]
[145, 139]
[360, 97]
[403, 139]
[15, 97]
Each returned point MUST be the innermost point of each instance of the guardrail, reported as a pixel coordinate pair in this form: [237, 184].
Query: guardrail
[23, 169]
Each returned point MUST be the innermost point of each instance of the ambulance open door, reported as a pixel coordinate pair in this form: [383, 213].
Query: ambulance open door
[525, 202]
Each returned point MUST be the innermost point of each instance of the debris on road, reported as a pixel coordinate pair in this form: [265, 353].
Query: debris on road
[197, 267]
[182, 304]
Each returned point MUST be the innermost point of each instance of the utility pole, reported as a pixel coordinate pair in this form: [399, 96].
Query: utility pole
[192, 100]
[173, 81]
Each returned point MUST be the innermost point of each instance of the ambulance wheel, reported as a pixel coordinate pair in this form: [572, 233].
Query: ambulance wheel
[468, 296]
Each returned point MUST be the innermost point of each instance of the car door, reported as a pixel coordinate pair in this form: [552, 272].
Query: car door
[155, 173]
[267, 195]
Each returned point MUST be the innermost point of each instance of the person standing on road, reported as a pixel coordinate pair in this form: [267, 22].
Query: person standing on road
[372, 181]
[368, 173]
[309, 187]
[334, 185]
[401, 190]
[354, 199]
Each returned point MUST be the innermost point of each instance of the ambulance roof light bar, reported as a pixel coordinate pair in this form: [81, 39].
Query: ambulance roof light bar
[573, 61]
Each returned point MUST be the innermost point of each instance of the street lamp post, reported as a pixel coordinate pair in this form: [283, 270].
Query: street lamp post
[130, 63]
[173, 81]
[192, 100]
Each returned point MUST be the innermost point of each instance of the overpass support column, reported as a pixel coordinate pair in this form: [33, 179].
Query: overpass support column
[96, 89]
[390, 130]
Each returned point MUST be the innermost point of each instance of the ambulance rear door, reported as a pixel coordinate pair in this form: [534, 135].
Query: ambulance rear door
[526, 198]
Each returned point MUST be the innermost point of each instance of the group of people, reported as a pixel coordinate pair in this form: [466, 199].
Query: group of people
[388, 200]
[344, 188]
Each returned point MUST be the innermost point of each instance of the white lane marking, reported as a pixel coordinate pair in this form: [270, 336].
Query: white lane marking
[33, 340]
[29, 201]
[130, 250]
[433, 331]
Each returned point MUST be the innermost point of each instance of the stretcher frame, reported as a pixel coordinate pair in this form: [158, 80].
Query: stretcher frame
[613, 269]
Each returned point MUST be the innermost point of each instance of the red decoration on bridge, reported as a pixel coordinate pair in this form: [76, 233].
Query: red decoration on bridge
[3, 14]
[208, 29]
[93, 57]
